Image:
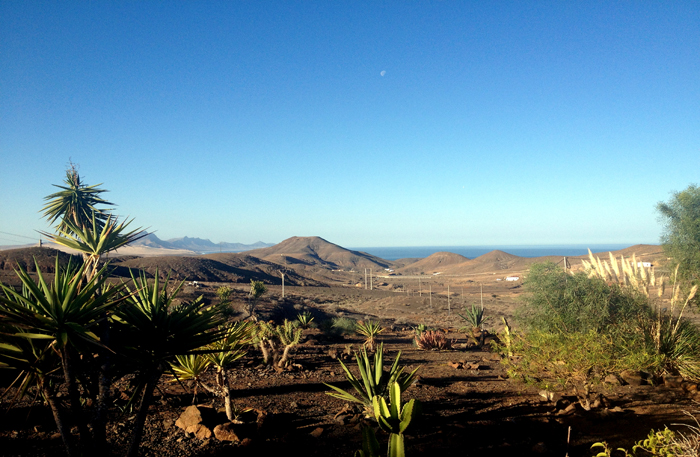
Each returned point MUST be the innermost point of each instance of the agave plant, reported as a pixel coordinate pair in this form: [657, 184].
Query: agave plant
[474, 317]
[373, 381]
[370, 330]
[433, 339]
[305, 319]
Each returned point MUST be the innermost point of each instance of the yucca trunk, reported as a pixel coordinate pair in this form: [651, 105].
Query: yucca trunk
[58, 416]
[140, 421]
[99, 424]
[225, 393]
[74, 398]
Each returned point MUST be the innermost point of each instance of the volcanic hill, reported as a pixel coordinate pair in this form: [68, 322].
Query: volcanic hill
[315, 251]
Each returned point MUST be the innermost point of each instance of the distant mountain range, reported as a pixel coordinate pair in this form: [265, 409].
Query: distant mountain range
[197, 244]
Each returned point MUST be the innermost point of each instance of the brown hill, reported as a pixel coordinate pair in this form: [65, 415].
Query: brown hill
[315, 251]
[213, 268]
[25, 257]
[434, 263]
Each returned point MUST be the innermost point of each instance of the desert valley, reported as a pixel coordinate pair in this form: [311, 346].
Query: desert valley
[470, 406]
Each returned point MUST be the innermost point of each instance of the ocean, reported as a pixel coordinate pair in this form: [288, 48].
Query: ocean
[569, 250]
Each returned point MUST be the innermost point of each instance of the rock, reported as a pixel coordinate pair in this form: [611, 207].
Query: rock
[455, 365]
[633, 378]
[571, 409]
[226, 432]
[690, 387]
[612, 379]
[167, 423]
[191, 417]
[246, 442]
[294, 405]
[200, 431]
[494, 357]
[317, 432]
[674, 382]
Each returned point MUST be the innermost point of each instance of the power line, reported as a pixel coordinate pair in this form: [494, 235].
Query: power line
[20, 236]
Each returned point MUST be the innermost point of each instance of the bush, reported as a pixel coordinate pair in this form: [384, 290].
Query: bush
[338, 326]
[563, 360]
[558, 302]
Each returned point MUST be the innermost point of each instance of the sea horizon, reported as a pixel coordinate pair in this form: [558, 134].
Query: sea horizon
[471, 252]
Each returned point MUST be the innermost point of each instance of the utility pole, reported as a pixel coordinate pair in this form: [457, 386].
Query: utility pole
[282, 273]
[482, 295]
[449, 310]
[371, 284]
[420, 288]
[365, 278]
[431, 296]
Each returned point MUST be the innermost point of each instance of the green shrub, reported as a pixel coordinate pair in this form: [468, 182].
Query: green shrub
[562, 360]
[338, 327]
[558, 302]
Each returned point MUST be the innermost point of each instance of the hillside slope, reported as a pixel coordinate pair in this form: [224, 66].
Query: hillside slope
[315, 251]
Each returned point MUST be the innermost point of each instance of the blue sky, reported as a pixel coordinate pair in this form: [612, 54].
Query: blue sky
[370, 124]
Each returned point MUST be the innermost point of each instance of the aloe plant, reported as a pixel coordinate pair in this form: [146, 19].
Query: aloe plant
[373, 381]
[394, 419]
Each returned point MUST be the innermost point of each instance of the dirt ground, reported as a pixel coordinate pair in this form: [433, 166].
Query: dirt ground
[470, 408]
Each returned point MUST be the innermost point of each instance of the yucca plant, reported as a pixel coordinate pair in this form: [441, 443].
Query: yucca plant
[220, 354]
[373, 380]
[152, 331]
[257, 290]
[63, 313]
[76, 203]
[370, 330]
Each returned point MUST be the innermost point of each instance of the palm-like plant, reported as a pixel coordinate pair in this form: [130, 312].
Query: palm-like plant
[57, 316]
[96, 239]
[220, 354]
[75, 203]
[373, 381]
[152, 331]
